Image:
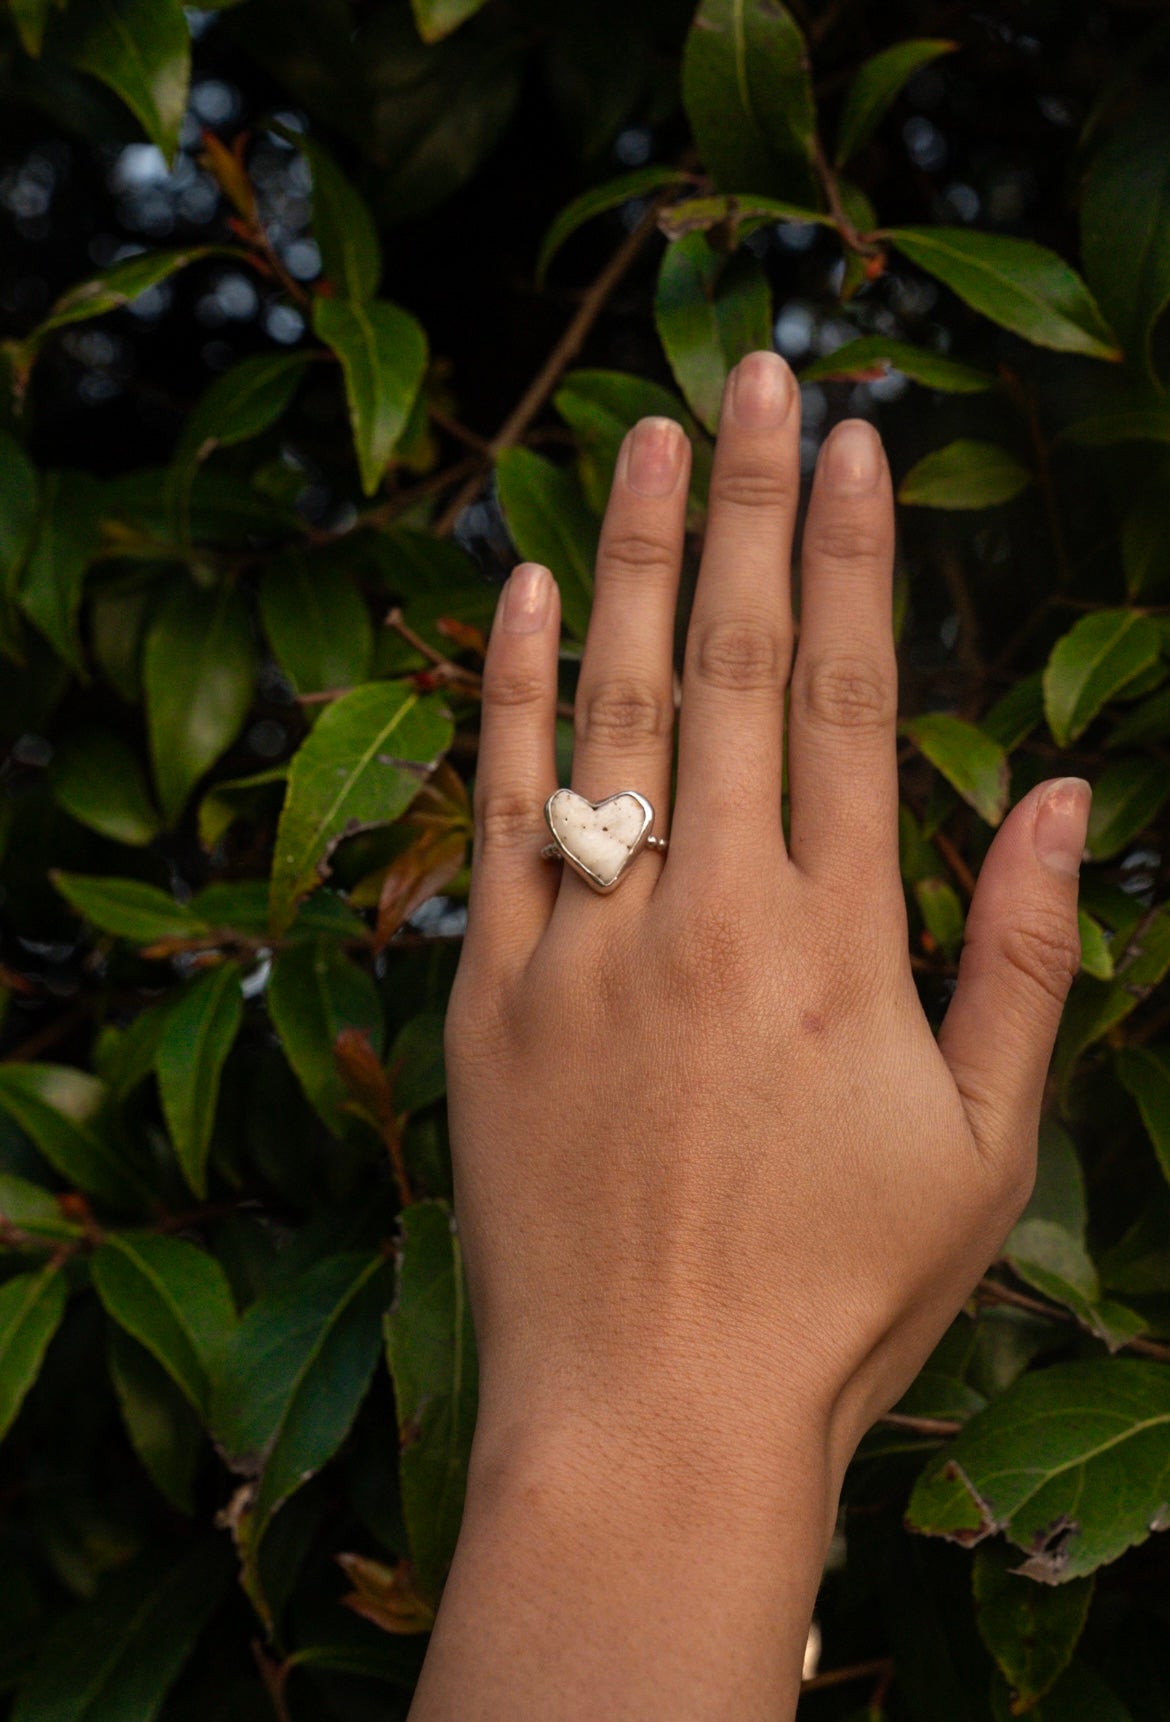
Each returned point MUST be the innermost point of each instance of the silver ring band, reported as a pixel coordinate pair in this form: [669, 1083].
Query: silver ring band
[599, 839]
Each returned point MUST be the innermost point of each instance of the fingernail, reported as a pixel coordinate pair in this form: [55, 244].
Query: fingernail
[1062, 819]
[853, 456]
[526, 596]
[761, 391]
[654, 457]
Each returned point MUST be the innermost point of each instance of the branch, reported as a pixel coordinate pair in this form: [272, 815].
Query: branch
[840, 1676]
[558, 361]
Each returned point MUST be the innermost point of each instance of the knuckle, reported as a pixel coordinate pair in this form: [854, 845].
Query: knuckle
[504, 820]
[1045, 951]
[847, 693]
[513, 690]
[636, 553]
[848, 542]
[622, 712]
[760, 486]
[740, 655]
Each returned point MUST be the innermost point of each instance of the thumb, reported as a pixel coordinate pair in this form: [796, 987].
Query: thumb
[1020, 955]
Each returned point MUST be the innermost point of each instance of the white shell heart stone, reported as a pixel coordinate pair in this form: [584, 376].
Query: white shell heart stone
[600, 838]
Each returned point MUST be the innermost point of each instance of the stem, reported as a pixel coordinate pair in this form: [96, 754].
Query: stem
[558, 361]
[941, 1426]
[840, 1676]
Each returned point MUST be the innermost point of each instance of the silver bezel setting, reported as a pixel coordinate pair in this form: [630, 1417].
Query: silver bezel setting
[579, 867]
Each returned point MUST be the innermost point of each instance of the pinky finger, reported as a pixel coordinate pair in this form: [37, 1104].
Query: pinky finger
[512, 889]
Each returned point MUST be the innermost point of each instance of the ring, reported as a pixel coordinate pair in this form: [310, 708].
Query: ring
[599, 839]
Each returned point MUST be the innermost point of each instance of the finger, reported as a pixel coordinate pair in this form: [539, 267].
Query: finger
[624, 717]
[1019, 959]
[842, 741]
[739, 642]
[512, 889]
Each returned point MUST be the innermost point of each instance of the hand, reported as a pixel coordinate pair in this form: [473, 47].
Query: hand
[720, 1189]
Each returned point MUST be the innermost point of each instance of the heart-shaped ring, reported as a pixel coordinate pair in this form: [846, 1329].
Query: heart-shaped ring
[599, 839]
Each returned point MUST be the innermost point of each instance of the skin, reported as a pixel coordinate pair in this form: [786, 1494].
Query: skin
[719, 1187]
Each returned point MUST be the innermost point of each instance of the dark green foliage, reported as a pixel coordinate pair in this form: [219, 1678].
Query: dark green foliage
[278, 407]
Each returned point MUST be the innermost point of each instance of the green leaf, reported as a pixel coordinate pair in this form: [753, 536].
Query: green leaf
[1095, 1007]
[1098, 657]
[748, 93]
[1072, 1462]
[710, 310]
[872, 356]
[969, 760]
[383, 354]
[642, 182]
[1080, 1695]
[1120, 424]
[1125, 213]
[317, 623]
[141, 49]
[241, 905]
[437, 18]
[1031, 1629]
[30, 18]
[54, 572]
[295, 1373]
[30, 1209]
[351, 255]
[313, 993]
[200, 1031]
[174, 1299]
[241, 404]
[233, 798]
[430, 1347]
[549, 521]
[735, 215]
[56, 1105]
[199, 668]
[1054, 1262]
[1145, 1073]
[31, 1308]
[942, 913]
[964, 474]
[1096, 956]
[116, 1658]
[128, 908]
[1127, 796]
[878, 84]
[367, 756]
[19, 511]
[98, 778]
[1020, 285]
[119, 286]
[416, 1063]
[601, 406]
[163, 1430]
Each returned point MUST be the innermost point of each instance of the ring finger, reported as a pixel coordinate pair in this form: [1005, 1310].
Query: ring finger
[624, 713]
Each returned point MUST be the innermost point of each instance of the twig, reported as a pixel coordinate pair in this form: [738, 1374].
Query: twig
[954, 861]
[1046, 487]
[993, 1291]
[561, 356]
[849, 234]
[841, 1676]
[47, 1035]
[941, 1426]
[467, 681]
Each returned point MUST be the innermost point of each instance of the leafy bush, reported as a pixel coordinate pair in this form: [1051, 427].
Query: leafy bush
[242, 622]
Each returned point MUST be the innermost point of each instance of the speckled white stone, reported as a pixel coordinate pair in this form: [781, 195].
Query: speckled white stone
[602, 837]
